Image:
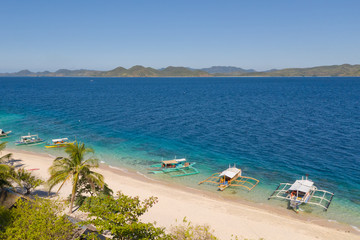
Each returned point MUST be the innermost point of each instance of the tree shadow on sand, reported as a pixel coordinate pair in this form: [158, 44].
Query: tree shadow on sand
[16, 163]
[44, 194]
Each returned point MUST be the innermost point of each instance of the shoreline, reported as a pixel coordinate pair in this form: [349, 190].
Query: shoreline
[225, 215]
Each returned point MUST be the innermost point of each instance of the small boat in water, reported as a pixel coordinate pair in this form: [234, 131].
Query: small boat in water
[231, 177]
[174, 166]
[57, 143]
[301, 192]
[29, 140]
[4, 134]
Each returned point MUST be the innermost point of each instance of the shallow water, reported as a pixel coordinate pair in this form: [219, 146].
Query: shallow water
[275, 129]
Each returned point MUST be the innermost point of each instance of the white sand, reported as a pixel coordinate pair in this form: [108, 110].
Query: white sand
[225, 217]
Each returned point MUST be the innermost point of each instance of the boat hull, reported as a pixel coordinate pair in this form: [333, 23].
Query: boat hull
[29, 143]
[57, 145]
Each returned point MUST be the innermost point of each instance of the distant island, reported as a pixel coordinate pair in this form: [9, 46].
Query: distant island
[345, 70]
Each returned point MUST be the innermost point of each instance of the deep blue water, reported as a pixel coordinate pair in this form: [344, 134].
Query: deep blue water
[275, 129]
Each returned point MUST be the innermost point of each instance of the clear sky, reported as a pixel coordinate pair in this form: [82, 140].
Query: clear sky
[104, 34]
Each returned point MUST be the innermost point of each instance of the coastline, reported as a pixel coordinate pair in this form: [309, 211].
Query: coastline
[226, 216]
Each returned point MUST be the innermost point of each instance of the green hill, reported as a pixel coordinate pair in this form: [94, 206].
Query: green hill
[182, 72]
[345, 70]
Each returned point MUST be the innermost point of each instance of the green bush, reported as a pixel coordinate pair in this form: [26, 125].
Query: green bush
[41, 219]
[120, 216]
[188, 231]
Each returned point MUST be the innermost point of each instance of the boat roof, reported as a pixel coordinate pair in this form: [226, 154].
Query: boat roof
[60, 139]
[29, 136]
[230, 172]
[174, 161]
[301, 186]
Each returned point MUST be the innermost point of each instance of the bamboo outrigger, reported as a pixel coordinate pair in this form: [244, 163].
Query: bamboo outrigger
[176, 165]
[231, 177]
[303, 191]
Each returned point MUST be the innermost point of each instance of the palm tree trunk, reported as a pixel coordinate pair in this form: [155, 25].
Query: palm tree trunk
[76, 178]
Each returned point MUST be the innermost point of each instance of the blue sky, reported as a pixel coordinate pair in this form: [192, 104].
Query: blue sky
[260, 34]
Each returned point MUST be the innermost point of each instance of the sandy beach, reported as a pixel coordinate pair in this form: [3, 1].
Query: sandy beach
[226, 217]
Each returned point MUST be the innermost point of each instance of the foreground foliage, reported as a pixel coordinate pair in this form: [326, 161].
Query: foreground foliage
[85, 189]
[6, 172]
[40, 219]
[189, 231]
[74, 168]
[120, 216]
[27, 180]
[5, 157]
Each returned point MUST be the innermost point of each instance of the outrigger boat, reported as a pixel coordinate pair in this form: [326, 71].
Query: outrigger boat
[303, 191]
[172, 166]
[231, 177]
[57, 143]
[4, 134]
[29, 140]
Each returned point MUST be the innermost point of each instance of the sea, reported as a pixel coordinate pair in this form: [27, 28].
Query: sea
[276, 129]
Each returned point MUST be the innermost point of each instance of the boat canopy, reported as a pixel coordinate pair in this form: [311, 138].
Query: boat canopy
[230, 172]
[174, 161]
[301, 186]
[28, 136]
[59, 140]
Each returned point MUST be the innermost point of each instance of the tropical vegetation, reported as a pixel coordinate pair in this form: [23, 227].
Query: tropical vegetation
[26, 180]
[40, 219]
[187, 230]
[76, 167]
[6, 172]
[120, 215]
[6, 156]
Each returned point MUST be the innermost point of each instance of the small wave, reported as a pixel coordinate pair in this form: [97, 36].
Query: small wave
[102, 162]
[194, 189]
[141, 174]
[356, 228]
[331, 220]
[121, 169]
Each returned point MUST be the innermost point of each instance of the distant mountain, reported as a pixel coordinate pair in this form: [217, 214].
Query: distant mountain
[218, 71]
[135, 71]
[334, 70]
[225, 69]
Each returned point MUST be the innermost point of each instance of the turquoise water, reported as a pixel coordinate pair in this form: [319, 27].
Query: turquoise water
[274, 129]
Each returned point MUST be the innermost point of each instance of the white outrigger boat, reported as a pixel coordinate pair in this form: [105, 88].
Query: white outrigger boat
[30, 140]
[4, 134]
[303, 191]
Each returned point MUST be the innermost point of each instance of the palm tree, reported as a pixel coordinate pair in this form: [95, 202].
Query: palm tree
[7, 156]
[5, 176]
[75, 167]
[6, 172]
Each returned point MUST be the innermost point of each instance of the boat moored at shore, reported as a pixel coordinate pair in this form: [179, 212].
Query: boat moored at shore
[29, 140]
[231, 177]
[57, 143]
[301, 192]
[4, 134]
[174, 166]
